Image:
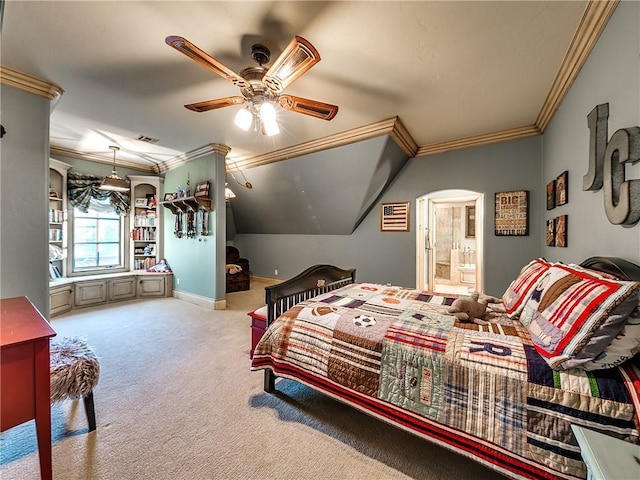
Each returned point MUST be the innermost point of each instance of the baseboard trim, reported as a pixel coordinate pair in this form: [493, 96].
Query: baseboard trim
[270, 280]
[201, 301]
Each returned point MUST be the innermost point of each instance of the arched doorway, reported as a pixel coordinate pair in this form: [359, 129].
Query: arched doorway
[450, 241]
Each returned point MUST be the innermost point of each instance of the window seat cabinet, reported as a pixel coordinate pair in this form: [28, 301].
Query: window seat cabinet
[68, 293]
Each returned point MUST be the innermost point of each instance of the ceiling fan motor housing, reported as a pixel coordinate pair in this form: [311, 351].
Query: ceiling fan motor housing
[260, 54]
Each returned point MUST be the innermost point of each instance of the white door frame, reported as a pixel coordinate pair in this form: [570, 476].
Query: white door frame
[425, 262]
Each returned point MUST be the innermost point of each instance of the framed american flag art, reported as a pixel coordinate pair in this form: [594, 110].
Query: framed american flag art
[394, 217]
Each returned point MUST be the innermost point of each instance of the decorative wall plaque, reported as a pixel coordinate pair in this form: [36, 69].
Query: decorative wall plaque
[394, 217]
[512, 213]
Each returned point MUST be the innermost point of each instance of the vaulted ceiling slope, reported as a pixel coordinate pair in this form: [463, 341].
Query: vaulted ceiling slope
[326, 193]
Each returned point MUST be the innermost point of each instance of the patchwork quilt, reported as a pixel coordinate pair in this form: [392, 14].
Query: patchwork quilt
[481, 390]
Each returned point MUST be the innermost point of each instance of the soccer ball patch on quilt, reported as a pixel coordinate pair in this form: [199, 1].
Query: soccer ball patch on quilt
[364, 321]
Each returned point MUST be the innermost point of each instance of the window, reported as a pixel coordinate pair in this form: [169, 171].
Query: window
[97, 238]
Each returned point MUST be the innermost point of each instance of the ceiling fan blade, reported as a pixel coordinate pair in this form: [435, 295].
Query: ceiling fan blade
[214, 104]
[194, 53]
[295, 60]
[322, 110]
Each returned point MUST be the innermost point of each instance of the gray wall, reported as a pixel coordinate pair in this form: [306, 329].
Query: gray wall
[391, 257]
[611, 75]
[322, 193]
[198, 263]
[24, 187]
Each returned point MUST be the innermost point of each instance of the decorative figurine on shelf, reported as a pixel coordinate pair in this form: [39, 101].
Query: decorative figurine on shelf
[203, 226]
[178, 225]
[152, 200]
[188, 189]
[191, 225]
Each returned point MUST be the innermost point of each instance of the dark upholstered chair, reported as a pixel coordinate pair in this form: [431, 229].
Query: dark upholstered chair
[237, 281]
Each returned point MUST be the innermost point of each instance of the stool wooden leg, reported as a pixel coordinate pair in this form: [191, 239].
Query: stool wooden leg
[90, 410]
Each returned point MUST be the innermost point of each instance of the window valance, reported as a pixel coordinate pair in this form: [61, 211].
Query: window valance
[81, 188]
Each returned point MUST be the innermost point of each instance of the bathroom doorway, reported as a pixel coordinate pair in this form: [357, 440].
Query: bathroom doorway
[450, 242]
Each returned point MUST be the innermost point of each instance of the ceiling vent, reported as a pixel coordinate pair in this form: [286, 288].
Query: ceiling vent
[144, 138]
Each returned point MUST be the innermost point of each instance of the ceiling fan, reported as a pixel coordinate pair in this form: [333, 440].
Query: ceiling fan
[261, 87]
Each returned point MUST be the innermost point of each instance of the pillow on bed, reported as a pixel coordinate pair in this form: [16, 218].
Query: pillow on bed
[520, 289]
[622, 348]
[573, 314]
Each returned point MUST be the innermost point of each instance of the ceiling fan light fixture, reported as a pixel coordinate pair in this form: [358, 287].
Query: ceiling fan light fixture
[268, 119]
[244, 119]
[113, 183]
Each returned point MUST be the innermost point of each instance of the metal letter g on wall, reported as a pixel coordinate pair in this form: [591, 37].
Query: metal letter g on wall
[607, 167]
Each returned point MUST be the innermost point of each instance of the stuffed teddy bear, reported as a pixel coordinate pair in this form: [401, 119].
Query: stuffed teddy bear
[472, 308]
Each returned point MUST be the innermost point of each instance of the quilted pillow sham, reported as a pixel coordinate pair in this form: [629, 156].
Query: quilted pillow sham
[519, 291]
[573, 315]
[622, 348]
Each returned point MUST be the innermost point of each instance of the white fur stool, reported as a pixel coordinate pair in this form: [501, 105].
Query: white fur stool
[74, 373]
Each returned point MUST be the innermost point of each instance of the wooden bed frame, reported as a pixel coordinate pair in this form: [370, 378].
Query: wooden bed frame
[320, 279]
[312, 282]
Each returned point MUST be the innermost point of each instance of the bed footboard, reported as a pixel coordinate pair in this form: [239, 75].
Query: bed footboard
[313, 281]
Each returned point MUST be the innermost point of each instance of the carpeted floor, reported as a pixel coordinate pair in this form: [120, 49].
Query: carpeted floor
[176, 400]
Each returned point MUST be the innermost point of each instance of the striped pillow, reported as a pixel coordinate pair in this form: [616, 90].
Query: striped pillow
[520, 289]
[568, 307]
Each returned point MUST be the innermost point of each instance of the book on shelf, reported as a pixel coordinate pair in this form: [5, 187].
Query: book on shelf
[54, 272]
[55, 235]
[143, 234]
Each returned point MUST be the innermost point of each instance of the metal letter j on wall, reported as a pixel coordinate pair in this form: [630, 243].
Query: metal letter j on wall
[607, 167]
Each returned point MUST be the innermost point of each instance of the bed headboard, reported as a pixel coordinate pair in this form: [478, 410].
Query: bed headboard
[619, 267]
[313, 281]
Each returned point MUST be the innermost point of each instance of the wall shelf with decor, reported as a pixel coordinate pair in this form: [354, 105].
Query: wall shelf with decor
[191, 212]
[146, 241]
[188, 204]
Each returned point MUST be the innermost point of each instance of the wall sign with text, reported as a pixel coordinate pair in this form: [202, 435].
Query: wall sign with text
[512, 213]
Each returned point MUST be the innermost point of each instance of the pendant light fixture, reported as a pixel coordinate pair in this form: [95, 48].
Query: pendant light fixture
[228, 193]
[113, 182]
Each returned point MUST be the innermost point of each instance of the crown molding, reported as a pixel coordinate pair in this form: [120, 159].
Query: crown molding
[391, 126]
[594, 20]
[403, 138]
[479, 140]
[29, 83]
[93, 157]
[207, 149]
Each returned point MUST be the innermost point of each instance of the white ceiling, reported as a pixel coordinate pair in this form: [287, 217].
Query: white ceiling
[448, 70]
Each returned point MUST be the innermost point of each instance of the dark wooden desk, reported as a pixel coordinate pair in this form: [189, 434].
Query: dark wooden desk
[24, 373]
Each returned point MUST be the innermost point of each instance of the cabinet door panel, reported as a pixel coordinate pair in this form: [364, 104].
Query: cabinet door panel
[152, 286]
[122, 288]
[90, 293]
[60, 300]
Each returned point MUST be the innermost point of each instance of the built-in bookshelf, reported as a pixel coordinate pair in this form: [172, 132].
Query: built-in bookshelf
[57, 215]
[146, 232]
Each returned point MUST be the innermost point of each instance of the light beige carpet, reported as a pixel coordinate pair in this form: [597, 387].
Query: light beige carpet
[176, 400]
